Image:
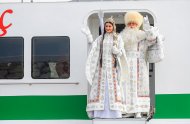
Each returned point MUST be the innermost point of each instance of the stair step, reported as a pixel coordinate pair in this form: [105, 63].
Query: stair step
[119, 121]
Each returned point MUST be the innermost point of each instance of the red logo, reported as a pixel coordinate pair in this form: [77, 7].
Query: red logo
[2, 26]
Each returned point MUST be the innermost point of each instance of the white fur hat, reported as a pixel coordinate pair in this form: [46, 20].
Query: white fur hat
[133, 16]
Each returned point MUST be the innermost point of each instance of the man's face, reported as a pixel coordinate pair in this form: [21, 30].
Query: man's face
[132, 25]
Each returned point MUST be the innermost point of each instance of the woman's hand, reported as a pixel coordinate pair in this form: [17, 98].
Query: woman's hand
[86, 31]
[116, 51]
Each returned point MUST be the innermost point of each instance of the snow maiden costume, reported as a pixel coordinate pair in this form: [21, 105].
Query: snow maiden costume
[141, 47]
[103, 74]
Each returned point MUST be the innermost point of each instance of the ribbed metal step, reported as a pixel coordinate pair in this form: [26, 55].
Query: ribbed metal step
[119, 121]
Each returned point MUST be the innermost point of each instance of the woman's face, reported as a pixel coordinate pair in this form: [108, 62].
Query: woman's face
[109, 27]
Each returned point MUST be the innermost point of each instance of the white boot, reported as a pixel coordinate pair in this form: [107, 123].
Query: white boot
[138, 115]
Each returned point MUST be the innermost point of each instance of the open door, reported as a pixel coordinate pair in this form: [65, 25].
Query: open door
[93, 23]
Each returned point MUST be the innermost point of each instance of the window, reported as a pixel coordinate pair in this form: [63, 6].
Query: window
[51, 57]
[11, 57]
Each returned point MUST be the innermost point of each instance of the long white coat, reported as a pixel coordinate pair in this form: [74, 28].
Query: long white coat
[136, 83]
[97, 76]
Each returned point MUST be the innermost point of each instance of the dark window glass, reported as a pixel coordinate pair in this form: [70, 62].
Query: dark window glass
[11, 57]
[51, 57]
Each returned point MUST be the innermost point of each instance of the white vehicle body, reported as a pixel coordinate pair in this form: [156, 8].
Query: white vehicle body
[172, 80]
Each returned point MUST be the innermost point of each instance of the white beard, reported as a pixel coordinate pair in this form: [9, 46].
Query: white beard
[132, 36]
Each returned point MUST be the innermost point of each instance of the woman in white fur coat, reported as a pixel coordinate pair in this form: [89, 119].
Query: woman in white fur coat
[103, 74]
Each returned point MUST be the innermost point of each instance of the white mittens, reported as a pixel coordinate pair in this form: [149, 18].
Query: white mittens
[151, 32]
[88, 34]
[146, 24]
[116, 51]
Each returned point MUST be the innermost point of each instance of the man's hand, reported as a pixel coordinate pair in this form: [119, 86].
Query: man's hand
[146, 24]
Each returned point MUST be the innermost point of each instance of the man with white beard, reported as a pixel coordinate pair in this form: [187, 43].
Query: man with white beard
[142, 47]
